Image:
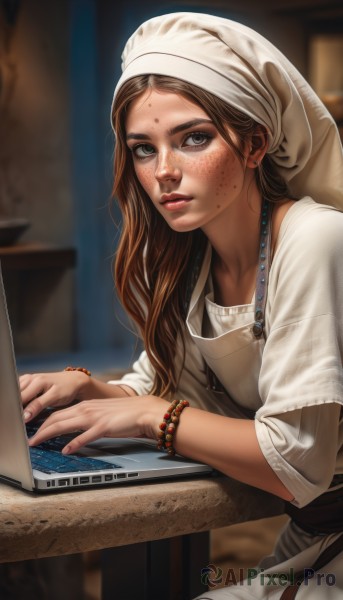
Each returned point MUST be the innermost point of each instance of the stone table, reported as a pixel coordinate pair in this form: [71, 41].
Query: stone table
[153, 526]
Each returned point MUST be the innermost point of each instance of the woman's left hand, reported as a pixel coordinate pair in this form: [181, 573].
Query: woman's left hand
[136, 416]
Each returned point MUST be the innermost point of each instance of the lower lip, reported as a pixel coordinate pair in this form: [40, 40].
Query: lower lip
[176, 204]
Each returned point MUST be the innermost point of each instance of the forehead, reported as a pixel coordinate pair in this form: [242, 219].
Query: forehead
[159, 107]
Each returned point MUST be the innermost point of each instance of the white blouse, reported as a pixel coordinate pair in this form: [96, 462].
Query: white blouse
[293, 380]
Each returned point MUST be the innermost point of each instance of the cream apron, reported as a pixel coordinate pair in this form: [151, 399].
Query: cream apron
[234, 356]
[231, 353]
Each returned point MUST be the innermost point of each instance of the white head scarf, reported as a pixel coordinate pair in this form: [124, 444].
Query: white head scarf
[241, 67]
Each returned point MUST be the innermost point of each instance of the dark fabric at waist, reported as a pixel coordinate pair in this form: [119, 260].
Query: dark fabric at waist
[323, 515]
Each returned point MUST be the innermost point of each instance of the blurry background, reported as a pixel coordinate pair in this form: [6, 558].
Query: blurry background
[59, 61]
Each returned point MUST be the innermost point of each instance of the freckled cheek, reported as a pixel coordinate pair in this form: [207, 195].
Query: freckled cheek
[223, 173]
[146, 177]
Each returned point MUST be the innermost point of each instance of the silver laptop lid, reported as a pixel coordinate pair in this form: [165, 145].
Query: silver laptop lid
[15, 464]
[129, 458]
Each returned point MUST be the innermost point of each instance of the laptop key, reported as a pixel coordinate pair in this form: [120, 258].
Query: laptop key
[50, 461]
[47, 457]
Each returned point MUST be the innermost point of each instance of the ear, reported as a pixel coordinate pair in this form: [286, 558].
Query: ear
[257, 147]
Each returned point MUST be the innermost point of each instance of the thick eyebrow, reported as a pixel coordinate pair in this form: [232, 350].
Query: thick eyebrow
[177, 129]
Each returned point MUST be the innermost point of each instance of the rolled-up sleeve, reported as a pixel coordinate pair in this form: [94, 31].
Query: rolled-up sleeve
[140, 378]
[301, 378]
[301, 447]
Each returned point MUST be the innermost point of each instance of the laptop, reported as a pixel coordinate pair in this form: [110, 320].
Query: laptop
[107, 461]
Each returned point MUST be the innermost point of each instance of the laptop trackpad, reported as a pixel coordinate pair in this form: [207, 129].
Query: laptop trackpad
[130, 450]
[135, 450]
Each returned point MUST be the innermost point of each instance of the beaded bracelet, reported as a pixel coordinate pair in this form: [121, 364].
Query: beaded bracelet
[163, 426]
[82, 369]
[169, 424]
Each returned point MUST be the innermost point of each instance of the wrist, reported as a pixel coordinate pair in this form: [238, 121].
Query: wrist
[83, 385]
[82, 377]
[151, 418]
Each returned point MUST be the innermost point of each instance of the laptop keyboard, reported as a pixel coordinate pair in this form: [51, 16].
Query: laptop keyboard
[47, 457]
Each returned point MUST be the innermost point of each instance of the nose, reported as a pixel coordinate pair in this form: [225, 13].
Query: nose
[167, 168]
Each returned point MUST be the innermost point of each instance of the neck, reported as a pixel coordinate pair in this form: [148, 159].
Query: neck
[235, 238]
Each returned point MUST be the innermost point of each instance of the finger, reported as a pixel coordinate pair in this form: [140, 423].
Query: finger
[81, 440]
[51, 430]
[34, 407]
[33, 388]
[24, 381]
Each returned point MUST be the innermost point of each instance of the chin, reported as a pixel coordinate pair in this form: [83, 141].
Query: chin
[183, 228]
[183, 225]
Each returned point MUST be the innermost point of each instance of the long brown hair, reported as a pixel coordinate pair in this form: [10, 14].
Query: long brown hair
[154, 263]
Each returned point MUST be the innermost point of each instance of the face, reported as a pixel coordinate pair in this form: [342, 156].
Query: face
[187, 169]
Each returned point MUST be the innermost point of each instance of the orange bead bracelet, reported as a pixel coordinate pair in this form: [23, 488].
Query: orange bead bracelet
[169, 424]
[81, 369]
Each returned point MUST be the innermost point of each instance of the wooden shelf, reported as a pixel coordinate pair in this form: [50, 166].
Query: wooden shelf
[36, 256]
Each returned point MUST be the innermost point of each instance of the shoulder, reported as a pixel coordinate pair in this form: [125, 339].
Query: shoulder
[312, 230]
[306, 275]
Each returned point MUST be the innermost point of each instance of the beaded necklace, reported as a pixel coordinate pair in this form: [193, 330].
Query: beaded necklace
[263, 269]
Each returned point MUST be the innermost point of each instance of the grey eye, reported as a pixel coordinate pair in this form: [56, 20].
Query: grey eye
[143, 150]
[197, 139]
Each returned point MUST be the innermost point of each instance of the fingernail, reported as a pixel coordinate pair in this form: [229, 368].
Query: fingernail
[66, 450]
[27, 415]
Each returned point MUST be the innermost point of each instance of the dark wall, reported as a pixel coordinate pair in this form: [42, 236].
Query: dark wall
[60, 62]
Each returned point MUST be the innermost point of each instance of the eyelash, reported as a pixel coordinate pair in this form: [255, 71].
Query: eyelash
[207, 138]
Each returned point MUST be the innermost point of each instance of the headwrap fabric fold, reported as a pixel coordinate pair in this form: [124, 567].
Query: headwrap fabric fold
[244, 69]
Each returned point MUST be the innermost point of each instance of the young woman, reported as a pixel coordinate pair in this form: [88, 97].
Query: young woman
[227, 171]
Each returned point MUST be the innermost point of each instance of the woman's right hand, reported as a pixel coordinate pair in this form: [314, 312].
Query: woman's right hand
[43, 390]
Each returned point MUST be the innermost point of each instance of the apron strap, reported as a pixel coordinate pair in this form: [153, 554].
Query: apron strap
[261, 289]
[323, 559]
[263, 269]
